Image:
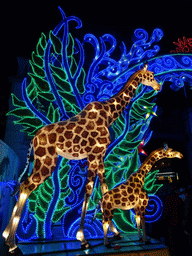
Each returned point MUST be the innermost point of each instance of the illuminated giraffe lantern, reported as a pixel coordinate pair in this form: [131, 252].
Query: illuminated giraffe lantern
[85, 135]
[131, 194]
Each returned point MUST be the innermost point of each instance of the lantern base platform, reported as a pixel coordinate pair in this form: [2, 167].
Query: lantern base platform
[128, 245]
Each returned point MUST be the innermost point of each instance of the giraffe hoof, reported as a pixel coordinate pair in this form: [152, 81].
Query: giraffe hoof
[85, 246]
[15, 252]
[118, 237]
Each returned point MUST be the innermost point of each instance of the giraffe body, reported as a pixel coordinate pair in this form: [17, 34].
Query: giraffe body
[131, 194]
[85, 135]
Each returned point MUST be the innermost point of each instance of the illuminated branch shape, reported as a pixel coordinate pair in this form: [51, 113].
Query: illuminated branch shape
[85, 135]
[131, 194]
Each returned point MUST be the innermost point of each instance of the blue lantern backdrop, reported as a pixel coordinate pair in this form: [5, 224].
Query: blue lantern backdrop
[58, 87]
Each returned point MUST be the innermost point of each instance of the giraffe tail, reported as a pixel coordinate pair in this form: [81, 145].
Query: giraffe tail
[17, 186]
[27, 162]
[96, 210]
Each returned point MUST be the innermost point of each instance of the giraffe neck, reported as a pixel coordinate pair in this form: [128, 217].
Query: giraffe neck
[147, 165]
[119, 102]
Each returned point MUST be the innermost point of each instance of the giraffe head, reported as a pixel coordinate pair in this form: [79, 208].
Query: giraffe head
[146, 77]
[172, 154]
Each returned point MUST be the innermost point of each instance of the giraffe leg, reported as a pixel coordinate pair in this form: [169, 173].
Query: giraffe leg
[138, 220]
[40, 172]
[88, 191]
[107, 217]
[143, 207]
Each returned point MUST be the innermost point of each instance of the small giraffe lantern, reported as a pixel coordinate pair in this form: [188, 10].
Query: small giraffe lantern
[131, 194]
[85, 135]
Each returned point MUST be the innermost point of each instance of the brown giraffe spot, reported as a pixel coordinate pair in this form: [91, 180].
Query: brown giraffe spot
[92, 142]
[82, 151]
[102, 130]
[141, 196]
[83, 143]
[51, 150]
[44, 171]
[132, 185]
[118, 107]
[70, 126]
[124, 199]
[117, 196]
[94, 134]
[131, 198]
[48, 160]
[87, 149]
[98, 105]
[52, 138]
[68, 134]
[145, 202]
[76, 139]
[40, 151]
[83, 114]
[37, 164]
[61, 139]
[123, 204]
[106, 108]
[36, 178]
[122, 186]
[98, 149]
[75, 155]
[109, 206]
[62, 123]
[90, 125]
[117, 201]
[124, 193]
[35, 142]
[78, 129]
[136, 191]
[112, 107]
[60, 129]
[116, 190]
[107, 213]
[91, 158]
[42, 139]
[82, 121]
[84, 134]
[92, 115]
[106, 197]
[99, 121]
[49, 127]
[31, 187]
[103, 113]
[130, 190]
[90, 173]
[102, 140]
[68, 144]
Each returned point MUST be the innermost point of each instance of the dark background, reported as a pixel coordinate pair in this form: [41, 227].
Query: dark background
[23, 21]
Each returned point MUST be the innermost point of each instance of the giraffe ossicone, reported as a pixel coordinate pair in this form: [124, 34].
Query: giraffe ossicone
[85, 135]
[131, 194]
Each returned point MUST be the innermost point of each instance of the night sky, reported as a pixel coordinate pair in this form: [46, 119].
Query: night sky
[23, 22]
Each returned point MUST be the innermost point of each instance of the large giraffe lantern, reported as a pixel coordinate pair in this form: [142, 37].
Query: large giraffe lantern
[85, 135]
[131, 194]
